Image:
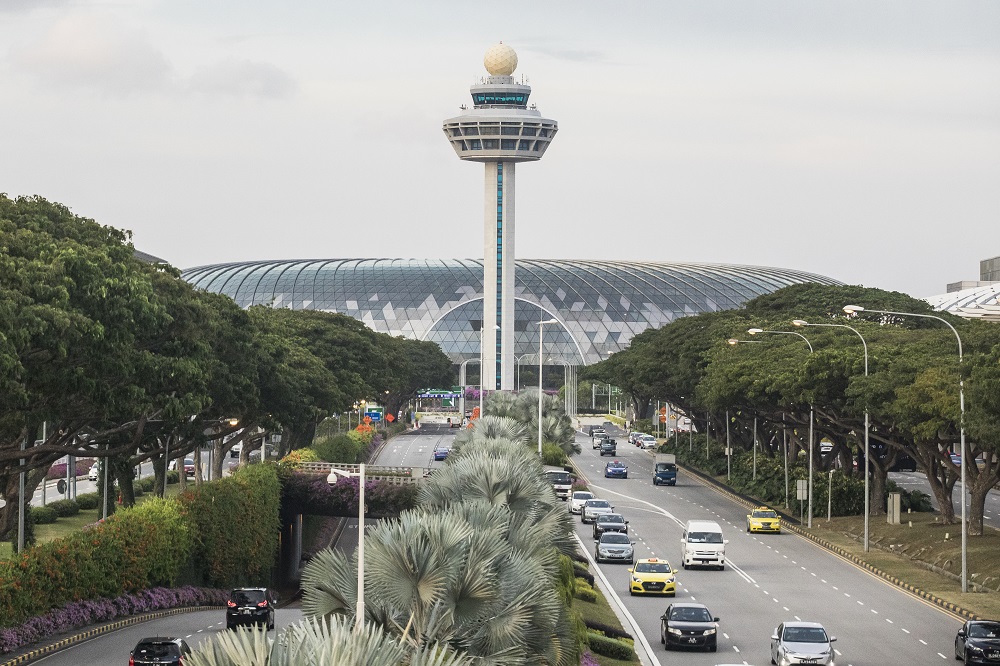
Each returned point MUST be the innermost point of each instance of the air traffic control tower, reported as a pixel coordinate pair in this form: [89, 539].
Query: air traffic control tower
[500, 130]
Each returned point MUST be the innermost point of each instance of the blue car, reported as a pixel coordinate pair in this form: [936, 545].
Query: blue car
[615, 470]
[441, 451]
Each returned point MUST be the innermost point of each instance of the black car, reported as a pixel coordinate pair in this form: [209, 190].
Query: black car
[159, 650]
[251, 605]
[687, 625]
[609, 447]
[610, 522]
[978, 642]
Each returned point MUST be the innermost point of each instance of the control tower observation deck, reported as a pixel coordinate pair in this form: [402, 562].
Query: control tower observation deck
[500, 130]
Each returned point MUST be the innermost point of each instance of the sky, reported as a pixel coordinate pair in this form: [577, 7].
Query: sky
[855, 139]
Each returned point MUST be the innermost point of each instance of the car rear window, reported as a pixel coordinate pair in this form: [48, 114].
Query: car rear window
[247, 597]
[157, 650]
[615, 537]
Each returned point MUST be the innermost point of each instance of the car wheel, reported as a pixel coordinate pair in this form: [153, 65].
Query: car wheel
[773, 661]
[748, 527]
[713, 648]
[625, 476]
[631, 592]
[662, 639]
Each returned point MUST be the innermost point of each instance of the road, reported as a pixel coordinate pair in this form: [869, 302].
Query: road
[769, 579]
[918, 481]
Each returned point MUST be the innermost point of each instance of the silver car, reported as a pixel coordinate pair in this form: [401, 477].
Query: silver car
[594, 507]
[577, 500]
[614, 547]
[801, 643]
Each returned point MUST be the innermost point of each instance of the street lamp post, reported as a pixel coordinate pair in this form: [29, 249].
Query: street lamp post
[755, 331]
[541, 329]
[517, 365]
[800, 322]
[359, 613]
[854, 309]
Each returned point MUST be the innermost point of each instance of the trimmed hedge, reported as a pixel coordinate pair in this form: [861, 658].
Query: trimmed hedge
[609, 647]
[65, 508]
[43, 515]
[580, 572]
[584, 592]
[88, 501]
[608, 630]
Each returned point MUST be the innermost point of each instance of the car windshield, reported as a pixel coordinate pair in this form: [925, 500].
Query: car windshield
[614, 537]
[648, 438]
[984, 630]
[156, 650]
[765, 514]
[705, 537]
[611, 518]
[616, 465]
[558, 477]
[599, 504]
[805, 635]
[665, 467]
[652, 567]
[690, 615]
[247, 597]
[583, 495]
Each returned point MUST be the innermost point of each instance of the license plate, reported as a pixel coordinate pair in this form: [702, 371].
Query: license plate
[247, 611]
[692, 640]
[993, 655]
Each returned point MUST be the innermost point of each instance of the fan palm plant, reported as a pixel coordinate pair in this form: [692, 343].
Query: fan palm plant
[321, 642]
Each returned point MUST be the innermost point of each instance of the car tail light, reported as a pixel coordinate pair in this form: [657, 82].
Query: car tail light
[231, 603]
[262, 604]
[131, 660]
[180, 661]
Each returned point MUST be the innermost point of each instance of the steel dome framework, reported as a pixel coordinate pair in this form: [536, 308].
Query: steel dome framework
[600, 305]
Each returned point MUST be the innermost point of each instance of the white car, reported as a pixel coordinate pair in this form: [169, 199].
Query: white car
[94, 471]
[801, 643]
[577, 500]
[648, 442]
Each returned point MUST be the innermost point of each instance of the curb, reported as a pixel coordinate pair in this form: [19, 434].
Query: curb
[791, 525]
[64, 643]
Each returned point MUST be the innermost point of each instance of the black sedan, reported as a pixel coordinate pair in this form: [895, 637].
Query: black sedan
[610, 522]
[687, 625]
[251, 605]
[978, 642]
[159, 650]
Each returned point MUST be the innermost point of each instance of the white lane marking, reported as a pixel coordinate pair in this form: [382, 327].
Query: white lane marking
[942, 656]
[905, 631]
[922, 641]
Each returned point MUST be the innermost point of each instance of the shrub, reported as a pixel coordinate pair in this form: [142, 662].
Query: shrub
[552, 454]
[299, 456]
[65, 508]
[88, 501]
[147, 484]
[338, 449]
[173, 477]
[608, 630]
[609, 647]
[42, 515]
[137, 490]
[584, 592]
[581, 572]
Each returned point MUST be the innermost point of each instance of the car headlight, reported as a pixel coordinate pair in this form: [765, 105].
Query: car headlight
[676, 632]
[975, 648]
[636, 580]
[669, 579]
[709, 632]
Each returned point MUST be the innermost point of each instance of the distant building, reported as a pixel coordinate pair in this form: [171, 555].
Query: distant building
[974, 299]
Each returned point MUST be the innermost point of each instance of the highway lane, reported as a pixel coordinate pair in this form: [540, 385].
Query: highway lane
[918, 481]
[195, 627]
[771, 578]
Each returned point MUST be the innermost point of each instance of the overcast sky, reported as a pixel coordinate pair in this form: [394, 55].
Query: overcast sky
[858, 140]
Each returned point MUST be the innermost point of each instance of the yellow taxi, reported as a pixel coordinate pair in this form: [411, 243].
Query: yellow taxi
[764, 519]
[652, 576]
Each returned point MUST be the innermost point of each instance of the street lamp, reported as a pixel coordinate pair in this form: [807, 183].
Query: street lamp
[359, 613]
[755, 331]
[566, 391]
[800, 322]
[517, 365]
[541, 329]
[854, 309]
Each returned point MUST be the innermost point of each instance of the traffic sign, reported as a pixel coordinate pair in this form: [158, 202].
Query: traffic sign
[390, 418]
[372, 416]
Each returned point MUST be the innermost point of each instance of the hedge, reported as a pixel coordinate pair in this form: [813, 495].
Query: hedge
[608, 630]
[88, 501]
[43, 515]
[238, 526]
[609, 647]
[584, 592]
[65, 508]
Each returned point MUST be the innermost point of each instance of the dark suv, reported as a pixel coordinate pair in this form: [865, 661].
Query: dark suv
[251, 605]
[159, 650]
[609, 447]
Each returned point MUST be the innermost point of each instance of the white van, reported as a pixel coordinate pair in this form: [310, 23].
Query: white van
[702, 545]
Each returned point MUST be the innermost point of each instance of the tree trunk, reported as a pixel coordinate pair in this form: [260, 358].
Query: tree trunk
[11, 485]
[942, 485]
[876, 506]
[980, 480]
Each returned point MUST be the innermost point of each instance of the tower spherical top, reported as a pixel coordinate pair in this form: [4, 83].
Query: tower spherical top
[500, 60]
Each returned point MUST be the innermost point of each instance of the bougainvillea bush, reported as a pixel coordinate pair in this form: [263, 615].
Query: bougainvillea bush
[83, 613]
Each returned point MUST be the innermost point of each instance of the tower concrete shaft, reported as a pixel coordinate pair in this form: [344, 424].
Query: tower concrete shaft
[499, 130]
